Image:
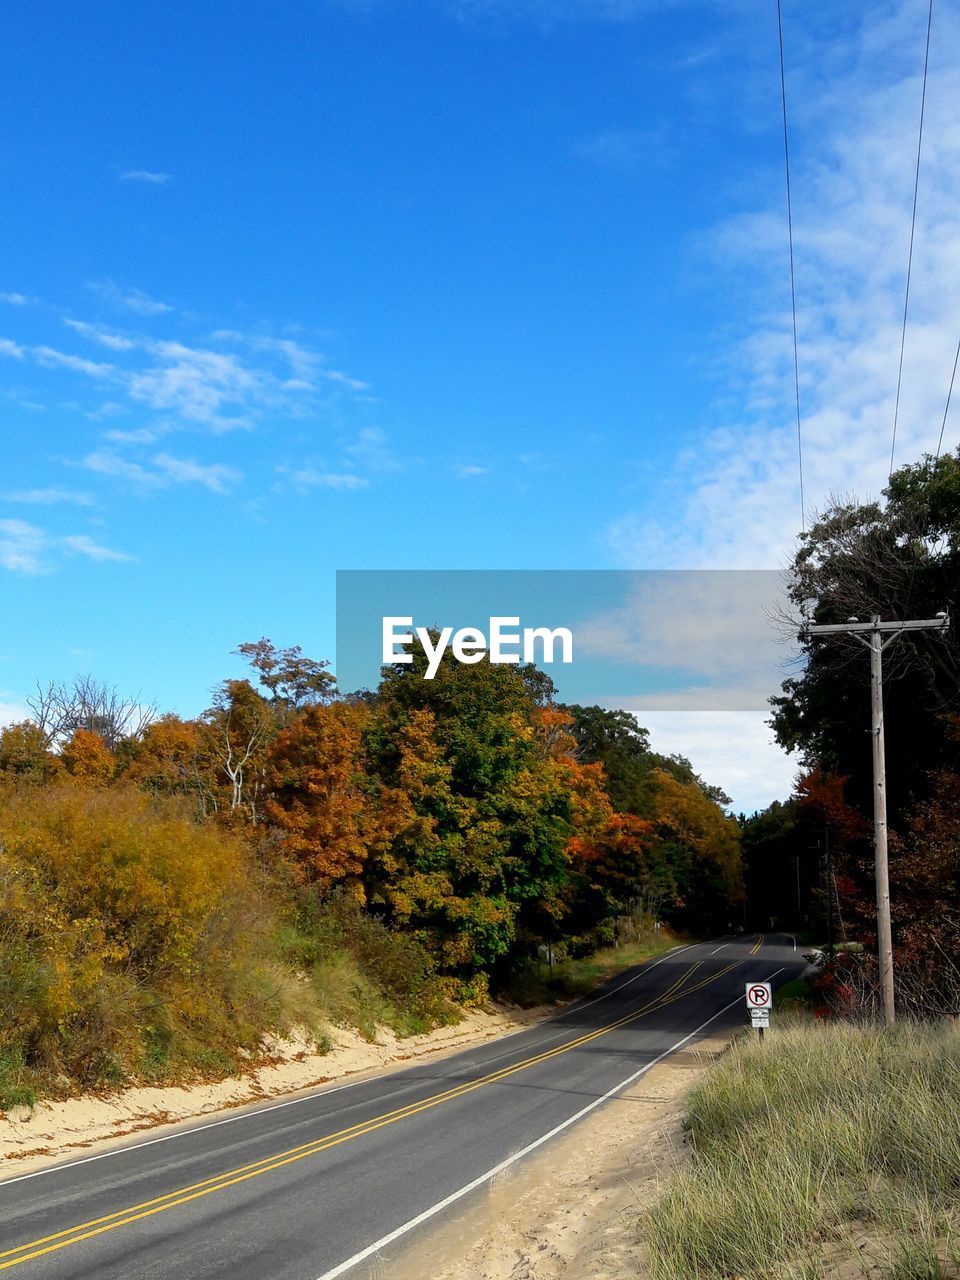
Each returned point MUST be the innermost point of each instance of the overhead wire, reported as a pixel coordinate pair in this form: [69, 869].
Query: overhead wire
[793, 286]
[913, 227]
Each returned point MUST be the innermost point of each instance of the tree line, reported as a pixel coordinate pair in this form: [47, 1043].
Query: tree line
[809, 860]
[472, 812]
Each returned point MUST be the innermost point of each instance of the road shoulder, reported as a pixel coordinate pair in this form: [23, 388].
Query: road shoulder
[570, 1212]
[51, 1131]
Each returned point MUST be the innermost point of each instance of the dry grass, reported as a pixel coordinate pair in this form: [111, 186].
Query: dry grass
[825, 1144]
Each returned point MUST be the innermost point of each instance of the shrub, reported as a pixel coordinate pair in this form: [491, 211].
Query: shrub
[130, 937]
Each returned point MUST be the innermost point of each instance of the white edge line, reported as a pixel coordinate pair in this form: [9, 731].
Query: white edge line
[434, 1209]
[181, 1133]
[310, 1097]
[720, 948]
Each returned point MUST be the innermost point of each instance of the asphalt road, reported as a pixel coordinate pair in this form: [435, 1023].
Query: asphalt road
[321, 1184]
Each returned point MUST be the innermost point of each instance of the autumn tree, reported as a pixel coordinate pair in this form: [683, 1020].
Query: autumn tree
[175, 757]
[88, 759]
[291, 680]
[60, 709]
[24, 755]
[315, 784]
[242, 725]
[702, 845]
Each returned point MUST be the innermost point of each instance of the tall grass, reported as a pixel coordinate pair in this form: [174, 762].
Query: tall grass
[825, 1142]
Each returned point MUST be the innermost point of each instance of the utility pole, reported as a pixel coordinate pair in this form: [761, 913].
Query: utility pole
[871, 634]
[828, 867]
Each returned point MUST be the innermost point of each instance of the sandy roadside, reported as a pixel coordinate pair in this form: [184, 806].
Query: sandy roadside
[33, 1137]
[570, 1212]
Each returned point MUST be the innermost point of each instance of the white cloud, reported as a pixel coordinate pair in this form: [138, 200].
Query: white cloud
[49, 497]
[50, 356]
[201, 385]
[216, 477]
[468, 470]
[167, 470]
[307, 366]
[14, 299]
[198, 385]
[372, 450]
[104, 463]
[21, 546]
[129, 299]
[145, 175]
[733, 498]
[303, 479]
[105, 337]
[708, 637]
[140, 435]
[27, 549]
[82, 545]
[12, 711]
[734, 750]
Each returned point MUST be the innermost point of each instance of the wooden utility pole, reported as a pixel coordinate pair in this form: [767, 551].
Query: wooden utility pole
[871, 634]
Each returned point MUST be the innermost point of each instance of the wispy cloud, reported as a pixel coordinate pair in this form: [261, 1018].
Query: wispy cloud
[149, 176]
[733, 497]
[51, 357]
[102, 336]
[129, 299]
[104, 463]
[14, 299]
[25, 548]
[306, 365]
[12, 350]
[468, 471]
[216, 477]
[162, 471]
[372, 451]
[21, 546]
[305, 479]
[82, 545]
[50, 497]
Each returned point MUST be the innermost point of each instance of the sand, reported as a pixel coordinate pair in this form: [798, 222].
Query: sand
[33, 1137]
[571, 1211]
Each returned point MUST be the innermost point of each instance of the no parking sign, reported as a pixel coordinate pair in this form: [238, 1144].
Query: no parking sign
[759, 1002]
[759, 995]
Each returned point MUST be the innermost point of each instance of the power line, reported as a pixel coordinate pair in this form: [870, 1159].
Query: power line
[946, 407]
[913, 225]
[793, 287]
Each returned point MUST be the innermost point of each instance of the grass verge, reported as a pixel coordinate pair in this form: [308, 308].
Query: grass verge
[831, 1150]
[572, 978]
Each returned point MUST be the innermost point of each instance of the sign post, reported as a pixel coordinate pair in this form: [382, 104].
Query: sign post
[759, 1002]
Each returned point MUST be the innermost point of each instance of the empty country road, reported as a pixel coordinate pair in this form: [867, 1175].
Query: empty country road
[324, 1184]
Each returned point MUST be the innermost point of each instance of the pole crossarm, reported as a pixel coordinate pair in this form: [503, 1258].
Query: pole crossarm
[854, 628]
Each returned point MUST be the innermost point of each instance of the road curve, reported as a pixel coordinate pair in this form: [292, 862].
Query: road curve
[316, 1187]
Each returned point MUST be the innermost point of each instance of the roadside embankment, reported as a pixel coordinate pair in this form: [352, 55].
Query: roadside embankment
[49, 1130]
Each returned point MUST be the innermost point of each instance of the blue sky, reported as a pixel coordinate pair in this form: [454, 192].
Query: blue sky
[296, 287]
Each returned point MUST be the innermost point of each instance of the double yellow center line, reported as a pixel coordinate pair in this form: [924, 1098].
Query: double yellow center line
[183, 1195]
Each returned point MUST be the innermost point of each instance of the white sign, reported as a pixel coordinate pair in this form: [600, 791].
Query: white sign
[759, 1018]
[759, 995]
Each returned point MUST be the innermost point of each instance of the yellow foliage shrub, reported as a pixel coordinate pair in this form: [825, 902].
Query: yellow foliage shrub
[132, 939]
